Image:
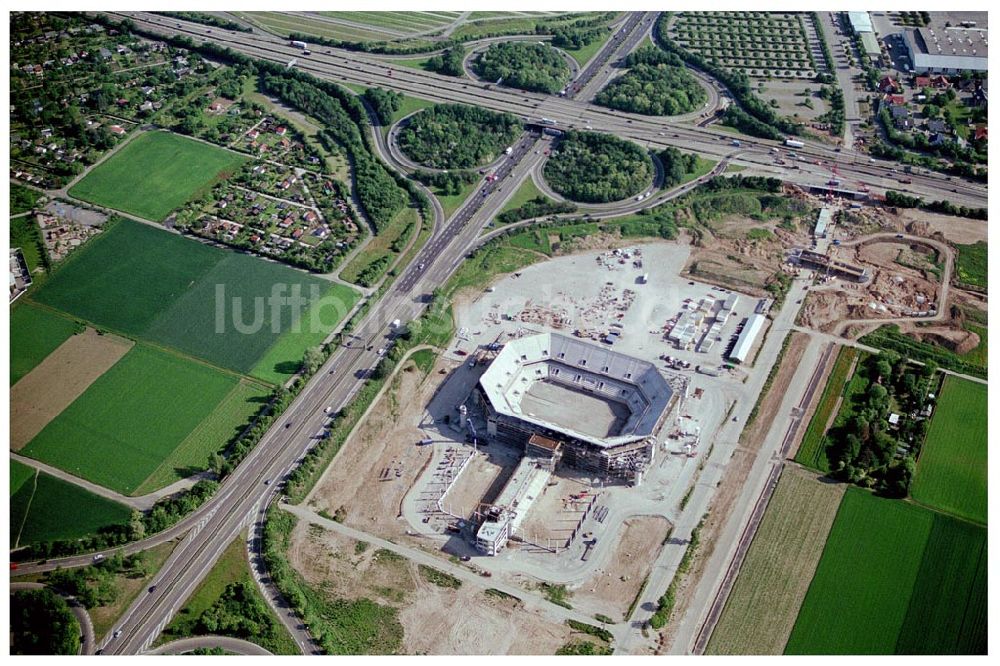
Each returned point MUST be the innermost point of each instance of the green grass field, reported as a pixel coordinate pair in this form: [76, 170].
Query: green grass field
[951, 470]
[47, 508]
[156, 286]
[971, 264]
[812, 451]
[761, 609]
[155, 174]
[858, 599]
[25, 234]
[132, 418]
[34, 334]
[525, 193]
[225, 422]
[947, 612]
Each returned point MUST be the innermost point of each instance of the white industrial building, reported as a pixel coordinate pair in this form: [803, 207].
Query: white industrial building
[744, 343]
[861, 22]
[948, 50]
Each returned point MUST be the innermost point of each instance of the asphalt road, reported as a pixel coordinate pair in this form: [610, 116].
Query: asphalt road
[87, 643]
[249, 487]
[365, 69]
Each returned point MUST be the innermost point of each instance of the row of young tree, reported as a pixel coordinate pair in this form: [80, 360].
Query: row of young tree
[456, 136]
[524, 65]
[597, 168]
[736, 81]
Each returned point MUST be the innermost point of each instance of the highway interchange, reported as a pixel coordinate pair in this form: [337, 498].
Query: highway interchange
[244, 495]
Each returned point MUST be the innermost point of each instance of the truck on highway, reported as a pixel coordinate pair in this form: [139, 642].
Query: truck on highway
[301, 45]
[736, 143]
[509, 150]
[792, 143]
[548, 121]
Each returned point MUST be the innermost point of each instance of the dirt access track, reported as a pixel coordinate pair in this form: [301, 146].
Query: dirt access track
[61, 378]
[355, 483]
[435, 620]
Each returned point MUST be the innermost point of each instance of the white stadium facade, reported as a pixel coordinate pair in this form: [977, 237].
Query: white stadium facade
[562, 399]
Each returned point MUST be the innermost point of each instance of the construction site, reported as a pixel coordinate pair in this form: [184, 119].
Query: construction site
[527, 452]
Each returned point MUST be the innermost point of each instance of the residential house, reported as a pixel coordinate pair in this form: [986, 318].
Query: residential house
[889, 85]
[937, 126]
[900, 117]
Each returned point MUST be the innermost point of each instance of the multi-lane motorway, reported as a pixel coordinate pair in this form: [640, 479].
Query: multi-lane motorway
[248, 489]
[366, 69]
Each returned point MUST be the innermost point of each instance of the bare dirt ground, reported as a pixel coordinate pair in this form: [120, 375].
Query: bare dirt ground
[613, 588]
[553, 515]
[752, 436]
[788, 94]
[386, 439]
[61, 378]
[480, 481]
[435, 620]
[904, 281]
[954, 229]
[726, 256]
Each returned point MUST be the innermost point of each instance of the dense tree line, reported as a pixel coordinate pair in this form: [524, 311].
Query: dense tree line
[736, 117]
[448, 62]
[94, 585]
[446, 182]
[376, 188]
[528, 66]
[576, 38]
[900, 200]
[41, 622]
[736, 81]
[863, 448]
[239, 612]
[384, 103]
[456, 136]
[598, 168]
[208, 19]
[654, 90]
[536, 207]
[676, 165]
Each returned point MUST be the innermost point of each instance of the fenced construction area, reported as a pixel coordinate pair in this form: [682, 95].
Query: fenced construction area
[206, 335]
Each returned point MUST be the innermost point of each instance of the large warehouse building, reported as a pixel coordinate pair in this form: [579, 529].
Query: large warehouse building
[949, 50]
[594, 409]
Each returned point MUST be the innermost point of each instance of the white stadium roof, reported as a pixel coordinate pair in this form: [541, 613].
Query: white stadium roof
[581, 366]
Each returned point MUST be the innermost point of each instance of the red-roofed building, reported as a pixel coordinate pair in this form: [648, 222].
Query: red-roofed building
[117, 129]
[897, 100]
[280, 131]
[923, 82]
[888, 84]
[940, 81]
[981, 134]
